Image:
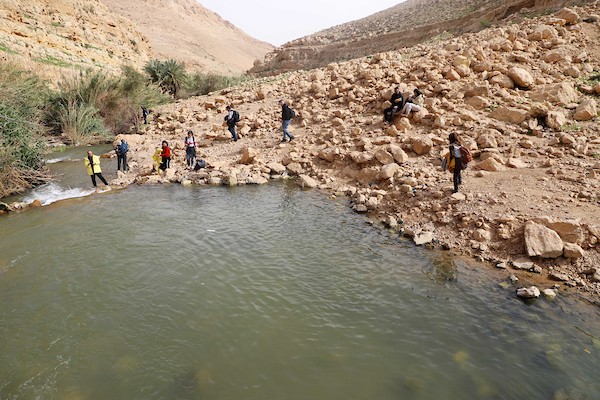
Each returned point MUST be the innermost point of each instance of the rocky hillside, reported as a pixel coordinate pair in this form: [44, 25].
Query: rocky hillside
[523, 97]
[405, 25]
[49, 36]
[188, 32]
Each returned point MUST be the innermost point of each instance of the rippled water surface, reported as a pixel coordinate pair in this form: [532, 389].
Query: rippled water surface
[264, 293]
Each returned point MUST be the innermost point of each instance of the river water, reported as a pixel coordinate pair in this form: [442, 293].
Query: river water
[166, 292]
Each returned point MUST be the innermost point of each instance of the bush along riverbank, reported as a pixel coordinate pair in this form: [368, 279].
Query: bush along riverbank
[523, 97]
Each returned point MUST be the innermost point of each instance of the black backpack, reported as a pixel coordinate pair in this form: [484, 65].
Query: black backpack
[199, 164]
[236, 116]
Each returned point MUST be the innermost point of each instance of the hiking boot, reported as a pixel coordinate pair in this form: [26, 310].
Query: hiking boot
[292, 138]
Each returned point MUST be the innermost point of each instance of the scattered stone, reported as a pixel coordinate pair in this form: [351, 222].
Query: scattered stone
[572, 250]
[557, 276]
[423, 238]
[549, 293]
[522, 264]
[531, 292]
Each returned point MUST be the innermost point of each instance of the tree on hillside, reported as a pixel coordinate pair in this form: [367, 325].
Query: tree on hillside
[169, 74]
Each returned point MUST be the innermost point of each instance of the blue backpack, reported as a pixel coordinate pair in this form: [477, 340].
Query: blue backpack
[124, 147]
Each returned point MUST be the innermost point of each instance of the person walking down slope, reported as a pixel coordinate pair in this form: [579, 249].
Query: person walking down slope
[232, 118]
[165, 156]
[121, 150]
[92, 164]
[286, 119]
[456, 155]
[190, 150]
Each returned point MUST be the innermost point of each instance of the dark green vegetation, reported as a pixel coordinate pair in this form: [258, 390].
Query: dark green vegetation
[83, 109]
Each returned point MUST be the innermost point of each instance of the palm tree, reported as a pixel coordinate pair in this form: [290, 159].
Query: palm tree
[169, 74]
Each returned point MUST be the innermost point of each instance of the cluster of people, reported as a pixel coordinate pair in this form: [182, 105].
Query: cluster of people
[403, 106]
[455, 160]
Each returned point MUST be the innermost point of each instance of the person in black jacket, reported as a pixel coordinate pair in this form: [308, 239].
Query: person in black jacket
[397, 101]
[231, 119]
[286, 118]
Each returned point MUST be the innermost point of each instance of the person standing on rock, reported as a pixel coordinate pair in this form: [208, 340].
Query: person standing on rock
[286, 119]
[190, 150]
[456, 155]
[92, 164]
[165, 155]
[121, 150]
[145, 113]
[397, 101]
[232, 118]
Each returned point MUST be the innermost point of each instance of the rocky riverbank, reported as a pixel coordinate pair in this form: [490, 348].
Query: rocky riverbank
[523, 97]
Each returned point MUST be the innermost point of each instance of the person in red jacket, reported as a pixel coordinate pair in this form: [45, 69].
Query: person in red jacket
[165, 155]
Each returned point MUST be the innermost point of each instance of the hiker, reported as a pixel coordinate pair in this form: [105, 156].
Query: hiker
[455, 154]
[165, 155]
[413, 103]
[121, 150]
[145, 113]
[92, 164]
[190, 150]
[286, 119]
[232, 118]
[157, 161]
[397, 101]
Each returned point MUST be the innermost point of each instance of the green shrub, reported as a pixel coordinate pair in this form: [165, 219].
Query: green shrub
[200, 83]
[81, 123]
[22, 96]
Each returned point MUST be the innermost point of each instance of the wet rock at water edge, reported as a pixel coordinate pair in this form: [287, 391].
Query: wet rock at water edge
[423, 238]
[549, 293]
[531, 292]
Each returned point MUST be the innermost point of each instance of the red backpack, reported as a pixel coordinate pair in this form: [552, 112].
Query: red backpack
[465, 155]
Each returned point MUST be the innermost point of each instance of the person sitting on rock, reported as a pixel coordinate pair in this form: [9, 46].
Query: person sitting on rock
[397, 101]
[414, 103]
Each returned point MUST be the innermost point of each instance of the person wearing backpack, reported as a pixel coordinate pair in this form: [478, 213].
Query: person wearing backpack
[286, 119]
[190, 150]
[232, 118]
[456, 155]
[121, 150]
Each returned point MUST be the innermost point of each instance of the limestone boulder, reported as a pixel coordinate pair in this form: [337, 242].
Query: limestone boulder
[509, 114]
[569, 15]
[531, 292]
[572, 250]
[384, 157]
[491, 165]
[422, 145]
[503, 81]
[559, 93]
[399, 155]
[306, 181]
[388, 171]
[586, 110]
[295, 168]
[555, 120]
[248, 155]
[541, 241]
[521, 77]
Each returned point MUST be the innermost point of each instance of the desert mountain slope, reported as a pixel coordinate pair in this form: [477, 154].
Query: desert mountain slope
[404, 25]
[188, 32]
[49, 36]
[523, 97]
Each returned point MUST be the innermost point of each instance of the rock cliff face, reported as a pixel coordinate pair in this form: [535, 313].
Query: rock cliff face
[49, 36]
[188, 32]
[404, 25]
